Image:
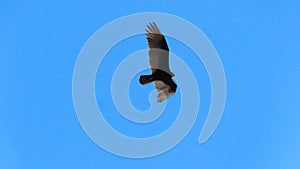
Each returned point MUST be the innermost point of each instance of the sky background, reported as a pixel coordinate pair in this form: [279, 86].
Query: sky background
[257, 41]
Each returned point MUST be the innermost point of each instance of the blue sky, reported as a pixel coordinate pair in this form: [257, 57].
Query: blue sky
[257, 41]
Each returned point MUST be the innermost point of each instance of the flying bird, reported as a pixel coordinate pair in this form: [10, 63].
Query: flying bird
[159, 63]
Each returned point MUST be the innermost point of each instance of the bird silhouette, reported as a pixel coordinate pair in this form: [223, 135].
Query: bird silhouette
[159, 63]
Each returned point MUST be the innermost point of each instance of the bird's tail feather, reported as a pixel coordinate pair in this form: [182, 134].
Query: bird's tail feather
[145, 79]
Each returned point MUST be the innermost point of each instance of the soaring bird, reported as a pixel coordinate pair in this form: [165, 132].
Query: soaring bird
[159, 63]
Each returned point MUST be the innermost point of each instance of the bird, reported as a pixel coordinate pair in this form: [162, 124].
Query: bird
[158, 56]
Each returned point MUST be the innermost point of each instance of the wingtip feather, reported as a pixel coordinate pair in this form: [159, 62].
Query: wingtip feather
[152, 28]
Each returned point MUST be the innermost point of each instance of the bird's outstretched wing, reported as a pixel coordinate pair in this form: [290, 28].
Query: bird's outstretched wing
[158, 59]
[163, 91]
[159, 50]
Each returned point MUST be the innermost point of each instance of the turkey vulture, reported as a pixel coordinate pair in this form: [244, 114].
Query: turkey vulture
[159, 64]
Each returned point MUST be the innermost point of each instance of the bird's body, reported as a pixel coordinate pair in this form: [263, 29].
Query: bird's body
[159, 64]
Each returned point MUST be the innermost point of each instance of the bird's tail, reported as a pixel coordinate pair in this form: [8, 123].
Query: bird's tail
[145, 79]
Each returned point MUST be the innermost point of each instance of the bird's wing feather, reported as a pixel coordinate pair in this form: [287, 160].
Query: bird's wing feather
[163, 91]
[159, 50]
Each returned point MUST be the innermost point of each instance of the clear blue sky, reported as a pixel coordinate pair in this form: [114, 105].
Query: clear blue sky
[258, 43]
